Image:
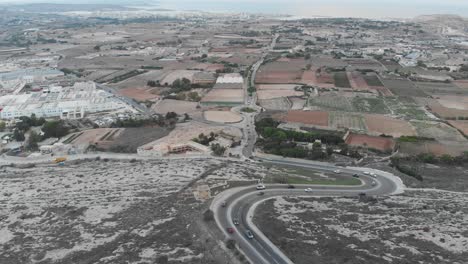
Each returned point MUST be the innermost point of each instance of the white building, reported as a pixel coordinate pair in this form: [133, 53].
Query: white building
[63, 102]
[11, 79]
[230, 78]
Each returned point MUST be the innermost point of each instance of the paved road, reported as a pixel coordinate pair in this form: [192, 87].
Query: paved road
[251, 101]
[241, 203]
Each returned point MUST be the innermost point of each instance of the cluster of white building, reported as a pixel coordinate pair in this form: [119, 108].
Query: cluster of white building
[11, 80]
[64, 102]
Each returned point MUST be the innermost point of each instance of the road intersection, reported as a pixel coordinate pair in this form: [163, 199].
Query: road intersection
[240, 204]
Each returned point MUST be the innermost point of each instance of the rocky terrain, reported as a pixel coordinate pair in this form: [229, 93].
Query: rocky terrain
[415, 227]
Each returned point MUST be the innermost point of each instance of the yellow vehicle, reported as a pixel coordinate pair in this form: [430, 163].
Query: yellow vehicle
[61, 159]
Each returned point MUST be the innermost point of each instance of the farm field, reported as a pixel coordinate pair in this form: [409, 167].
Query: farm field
[444, 112]
[297, 103]
[281, 103]
[224, 96]
[403, 87]
[271, 94]
[133, 137]
[288, 87]
[318, 118]
[438, 131]
[436, 89]
[461, 125]
[331, 102]
[139, 94]
[370, 105]
[380, 124]
[341, 80]
[178, 74]
[406, 108]
[433, 147]
[379, 143]
[281, 71]
[177, 106]
[453, 101]
[222, 116]
[357, 81]
[372, 80]
[100, 136]
[343, 120]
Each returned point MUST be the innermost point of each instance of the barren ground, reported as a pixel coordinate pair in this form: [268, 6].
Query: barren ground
[108, 212]
[416, 227]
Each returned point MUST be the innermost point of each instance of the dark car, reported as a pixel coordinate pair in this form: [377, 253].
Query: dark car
[355, 175]
[290, 186]
[249, 234]
[235, 221]
[230, 230]
[261, 193]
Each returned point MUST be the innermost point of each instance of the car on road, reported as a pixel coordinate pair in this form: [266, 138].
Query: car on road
[224, 204]
[235, 221]
[249, 234]
[290, 186]
[308, 190]
[261, 193]
[337, 171]
[374, 183]
[261, 187]
[366, 173]
[230, 230]
[355, 175]
[373, 175]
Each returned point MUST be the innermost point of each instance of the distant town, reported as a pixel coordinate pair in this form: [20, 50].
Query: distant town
[157, 116]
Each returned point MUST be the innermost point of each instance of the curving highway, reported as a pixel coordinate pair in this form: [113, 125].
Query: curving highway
[240, 204]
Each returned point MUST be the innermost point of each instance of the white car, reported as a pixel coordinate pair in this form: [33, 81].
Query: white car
[337, 171]
[366, 173]
[308, 190]
[373, 175]
[261, 187]
[374, 183]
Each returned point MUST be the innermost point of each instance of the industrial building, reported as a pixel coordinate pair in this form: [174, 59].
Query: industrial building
[10, 80]
[64, 102]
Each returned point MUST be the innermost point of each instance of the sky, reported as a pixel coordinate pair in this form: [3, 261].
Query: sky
[310, 8]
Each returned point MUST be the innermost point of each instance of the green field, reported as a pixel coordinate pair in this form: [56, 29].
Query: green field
[346, 120]
[406, 107]
[370, 105]
[372, 80]
[331, 102]
[341, 80]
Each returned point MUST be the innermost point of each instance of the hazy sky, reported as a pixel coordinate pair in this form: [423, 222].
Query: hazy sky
[360, 8]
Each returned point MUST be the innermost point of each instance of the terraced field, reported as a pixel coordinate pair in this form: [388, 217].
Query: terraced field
[347, 120]
[370, 105]
[331, 102]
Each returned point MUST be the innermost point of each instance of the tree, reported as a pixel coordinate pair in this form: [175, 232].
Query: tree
[55, 129]
[180, 85]
[33, 139]
[151, 83]
[217, 149]
[171, 115]
[208, 215]
[18, 135]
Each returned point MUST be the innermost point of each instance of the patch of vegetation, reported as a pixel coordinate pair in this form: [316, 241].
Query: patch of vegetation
[414, 139]
[370, 105]
[218, 150]
[287, 143]
[127, 75]
[341, 80]
[56, 129]
[248, 110]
